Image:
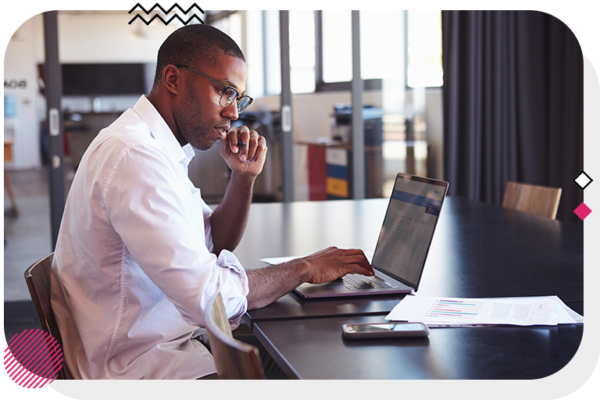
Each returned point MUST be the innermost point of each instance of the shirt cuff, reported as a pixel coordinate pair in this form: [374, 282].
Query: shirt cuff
[233, 293]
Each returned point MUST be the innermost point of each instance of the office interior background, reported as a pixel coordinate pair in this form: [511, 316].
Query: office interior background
[475, 98]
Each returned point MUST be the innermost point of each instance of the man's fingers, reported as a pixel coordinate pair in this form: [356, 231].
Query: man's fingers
[358, 261]
[354, 253]
[252, 144]
[249, 145]
[363, 270]
[261, 149]
[332, 263]
[239, 135]
[244, 137]
[232, 140]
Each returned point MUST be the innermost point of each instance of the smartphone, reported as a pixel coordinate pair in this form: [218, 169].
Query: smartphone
[385, 330]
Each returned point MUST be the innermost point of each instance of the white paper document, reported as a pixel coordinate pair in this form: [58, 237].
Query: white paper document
[449, 311]
[279, 260]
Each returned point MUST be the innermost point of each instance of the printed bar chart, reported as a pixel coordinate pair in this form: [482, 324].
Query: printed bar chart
[455, 309]
[446, 311]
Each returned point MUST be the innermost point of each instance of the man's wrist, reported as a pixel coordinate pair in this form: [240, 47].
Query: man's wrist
[301, 270]
[243, 177]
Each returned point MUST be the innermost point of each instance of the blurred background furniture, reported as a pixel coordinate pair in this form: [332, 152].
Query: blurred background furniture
[532, 199]
[38, 283]
[234, 359]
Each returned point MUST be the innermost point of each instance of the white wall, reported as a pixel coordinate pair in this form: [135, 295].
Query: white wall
[107, 37]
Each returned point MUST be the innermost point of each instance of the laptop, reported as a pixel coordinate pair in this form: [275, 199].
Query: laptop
[404, 241]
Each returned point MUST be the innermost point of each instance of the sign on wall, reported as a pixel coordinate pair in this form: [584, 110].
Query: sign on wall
[15, 84]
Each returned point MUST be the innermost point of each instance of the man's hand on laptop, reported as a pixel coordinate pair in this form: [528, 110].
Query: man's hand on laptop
[265, 285]
[333, 263]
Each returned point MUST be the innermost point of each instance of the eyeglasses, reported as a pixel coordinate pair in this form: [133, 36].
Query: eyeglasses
[228, 94]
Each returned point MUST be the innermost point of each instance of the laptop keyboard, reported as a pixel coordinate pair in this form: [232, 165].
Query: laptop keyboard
[357, 281]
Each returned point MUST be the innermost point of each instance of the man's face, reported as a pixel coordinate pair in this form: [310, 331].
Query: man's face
[199, 117]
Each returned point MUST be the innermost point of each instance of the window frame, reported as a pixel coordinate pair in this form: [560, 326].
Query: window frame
[369, 84]
[320, 85]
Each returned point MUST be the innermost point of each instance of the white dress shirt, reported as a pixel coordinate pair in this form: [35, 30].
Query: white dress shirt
[133, 269]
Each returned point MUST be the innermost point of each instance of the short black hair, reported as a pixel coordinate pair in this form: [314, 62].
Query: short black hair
[195, 45]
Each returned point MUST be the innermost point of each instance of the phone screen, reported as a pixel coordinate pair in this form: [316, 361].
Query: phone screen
[384, 328]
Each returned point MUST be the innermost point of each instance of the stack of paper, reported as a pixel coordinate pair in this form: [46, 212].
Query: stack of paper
[448, 311]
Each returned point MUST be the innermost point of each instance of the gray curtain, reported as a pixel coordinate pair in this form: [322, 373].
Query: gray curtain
[513, 105]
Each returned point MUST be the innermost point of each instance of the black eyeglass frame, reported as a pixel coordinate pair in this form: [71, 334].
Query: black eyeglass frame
[238, 96]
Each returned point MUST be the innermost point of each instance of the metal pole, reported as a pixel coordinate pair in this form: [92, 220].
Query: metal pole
[358, 141]
[53, 82]
[287, 151]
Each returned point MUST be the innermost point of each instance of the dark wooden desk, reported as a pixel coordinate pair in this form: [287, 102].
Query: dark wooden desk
[315, 349]
[478, 251]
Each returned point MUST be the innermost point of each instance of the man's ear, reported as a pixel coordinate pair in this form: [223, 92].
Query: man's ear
[171, 78]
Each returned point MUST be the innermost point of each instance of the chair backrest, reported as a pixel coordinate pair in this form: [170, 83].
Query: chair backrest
[532, 199]
[234, 359]
[38, 281]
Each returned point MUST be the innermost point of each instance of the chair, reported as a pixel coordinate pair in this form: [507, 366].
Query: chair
[234, 359]
[532, 199]
[38, 281]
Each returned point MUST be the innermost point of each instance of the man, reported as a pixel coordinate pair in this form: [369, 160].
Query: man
[139, 253]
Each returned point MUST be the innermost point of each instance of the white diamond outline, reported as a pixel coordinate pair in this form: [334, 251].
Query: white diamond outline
[583, 174]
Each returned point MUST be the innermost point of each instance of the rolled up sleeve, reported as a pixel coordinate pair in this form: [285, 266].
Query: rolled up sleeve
[235, 305]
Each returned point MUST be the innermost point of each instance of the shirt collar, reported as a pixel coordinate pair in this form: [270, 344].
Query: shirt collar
[161, 131]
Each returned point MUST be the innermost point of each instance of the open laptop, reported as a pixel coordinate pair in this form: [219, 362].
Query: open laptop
[403, 244]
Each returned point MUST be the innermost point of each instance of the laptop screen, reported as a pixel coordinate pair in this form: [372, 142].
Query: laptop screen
[408, 227]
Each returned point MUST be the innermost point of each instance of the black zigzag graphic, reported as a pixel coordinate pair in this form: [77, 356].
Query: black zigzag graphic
[165, 22]
[163, 10]
[166, 12]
